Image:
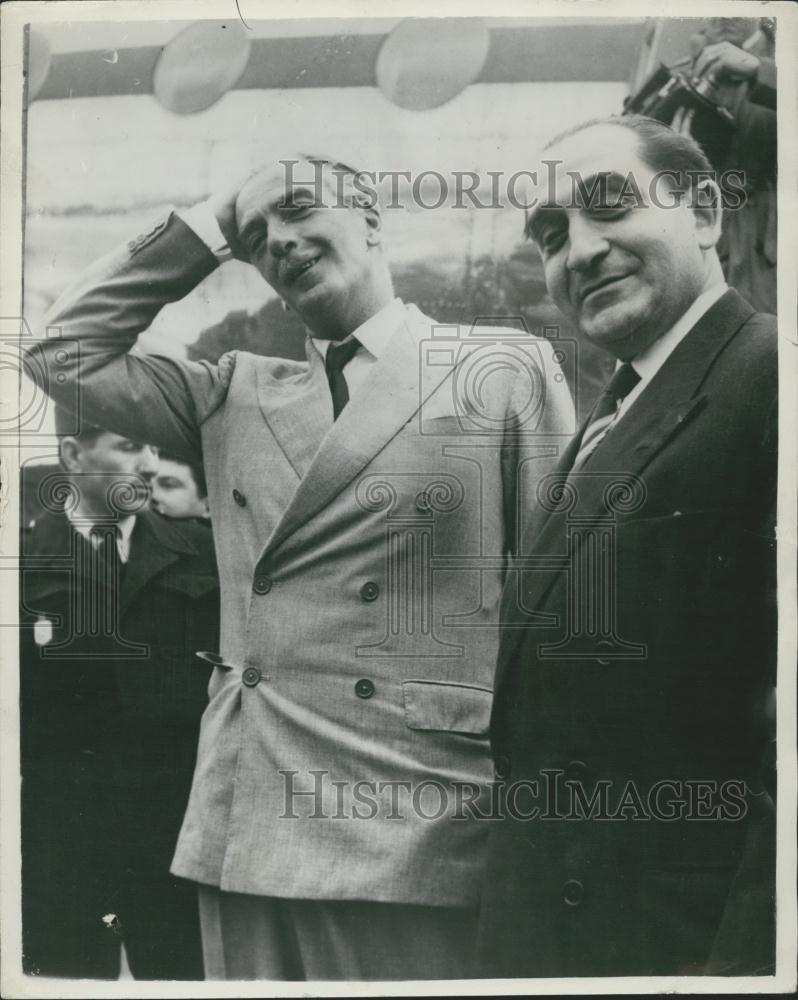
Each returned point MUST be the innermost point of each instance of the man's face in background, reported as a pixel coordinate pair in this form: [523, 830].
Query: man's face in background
[111, 472]
[175, 492]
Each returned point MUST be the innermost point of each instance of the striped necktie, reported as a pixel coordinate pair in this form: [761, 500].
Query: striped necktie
[338, 356]
[605, 412]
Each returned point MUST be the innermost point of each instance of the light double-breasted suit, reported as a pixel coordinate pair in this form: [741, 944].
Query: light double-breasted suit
[361, 565]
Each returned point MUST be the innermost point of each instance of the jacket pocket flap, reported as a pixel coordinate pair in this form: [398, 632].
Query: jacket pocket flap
[444, 706]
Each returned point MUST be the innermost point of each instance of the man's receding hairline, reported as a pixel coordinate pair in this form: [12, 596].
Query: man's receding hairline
[279, 170]
[562, 137]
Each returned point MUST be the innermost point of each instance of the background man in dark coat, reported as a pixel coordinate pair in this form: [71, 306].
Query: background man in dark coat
[639, 658]
[115, 602]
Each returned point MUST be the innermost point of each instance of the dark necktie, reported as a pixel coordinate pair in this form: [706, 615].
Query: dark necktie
[106, 575]
[339, 355]
[605, 412]
[107, 561]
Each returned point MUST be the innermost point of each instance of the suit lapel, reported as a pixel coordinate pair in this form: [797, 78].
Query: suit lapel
[673, 397]
[653, 422]
[297, 408]
[374, 416]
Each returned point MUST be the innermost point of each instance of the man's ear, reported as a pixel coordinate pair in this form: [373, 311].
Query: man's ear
[371, 214]
[707, 206]
[70, 452]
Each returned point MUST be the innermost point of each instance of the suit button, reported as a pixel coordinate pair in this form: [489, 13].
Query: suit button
[370, 591]
[364, 688]
[251, 677]
[239, 498]
[501, 766]
[262, 585]
[573, 892]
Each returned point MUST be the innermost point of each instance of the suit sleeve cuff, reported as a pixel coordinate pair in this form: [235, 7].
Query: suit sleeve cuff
[202, 221]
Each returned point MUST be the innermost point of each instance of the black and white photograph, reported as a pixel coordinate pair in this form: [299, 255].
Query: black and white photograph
[398, 524]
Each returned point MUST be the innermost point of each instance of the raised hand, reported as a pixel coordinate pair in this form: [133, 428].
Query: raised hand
[223, 205]
[726, 60]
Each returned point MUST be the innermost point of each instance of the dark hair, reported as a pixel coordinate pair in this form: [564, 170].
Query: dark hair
[195, 468]
[661, 147]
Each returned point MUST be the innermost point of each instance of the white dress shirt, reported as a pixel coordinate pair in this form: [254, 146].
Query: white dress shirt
[649, 361]
[84, 526]
[374, 336]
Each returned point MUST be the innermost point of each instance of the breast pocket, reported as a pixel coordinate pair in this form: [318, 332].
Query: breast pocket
[438, 706]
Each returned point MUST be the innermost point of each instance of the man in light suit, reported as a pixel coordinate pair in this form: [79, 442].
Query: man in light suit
[638, 655]
[362, 548]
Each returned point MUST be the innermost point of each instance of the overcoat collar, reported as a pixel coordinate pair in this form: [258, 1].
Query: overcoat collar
[48, 555]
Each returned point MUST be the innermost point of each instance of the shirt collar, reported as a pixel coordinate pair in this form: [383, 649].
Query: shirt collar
[649, 361]
[83, 527]
[376, 332]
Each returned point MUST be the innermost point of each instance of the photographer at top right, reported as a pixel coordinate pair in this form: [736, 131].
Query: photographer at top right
[737, 55]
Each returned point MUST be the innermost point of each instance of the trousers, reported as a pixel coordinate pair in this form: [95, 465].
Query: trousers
[264, 937]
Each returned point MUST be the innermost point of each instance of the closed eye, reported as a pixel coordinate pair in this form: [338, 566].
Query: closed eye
[611, 209]
[296, 209]
[548, 228]
[255, 239]
[550, 238]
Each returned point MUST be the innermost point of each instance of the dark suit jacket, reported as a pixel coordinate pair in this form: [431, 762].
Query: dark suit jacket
[671, 686]
[109, 726]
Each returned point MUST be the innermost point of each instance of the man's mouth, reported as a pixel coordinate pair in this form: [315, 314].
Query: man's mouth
[293, 270]
[599, 285]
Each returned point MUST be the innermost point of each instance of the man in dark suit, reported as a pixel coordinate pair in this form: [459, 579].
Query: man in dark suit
[638, 654]
[115, 602]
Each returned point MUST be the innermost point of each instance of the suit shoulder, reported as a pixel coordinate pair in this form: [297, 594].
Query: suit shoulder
[192, 539]
[274, 367]
[756, 342]
[47, 534]
[746, 369]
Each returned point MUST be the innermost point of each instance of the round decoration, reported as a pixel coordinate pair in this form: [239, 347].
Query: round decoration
[200, 65]
[425, 62]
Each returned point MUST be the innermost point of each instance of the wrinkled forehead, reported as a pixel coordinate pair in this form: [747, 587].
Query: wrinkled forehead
[273, 183]
[574, 164]
[108, 439]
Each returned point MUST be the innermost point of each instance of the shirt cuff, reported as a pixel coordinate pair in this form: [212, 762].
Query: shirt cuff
[201, 219]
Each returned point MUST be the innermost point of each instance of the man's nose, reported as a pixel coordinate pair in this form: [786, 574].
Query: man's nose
[586, 243]
[147, 464]
[280, 240]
